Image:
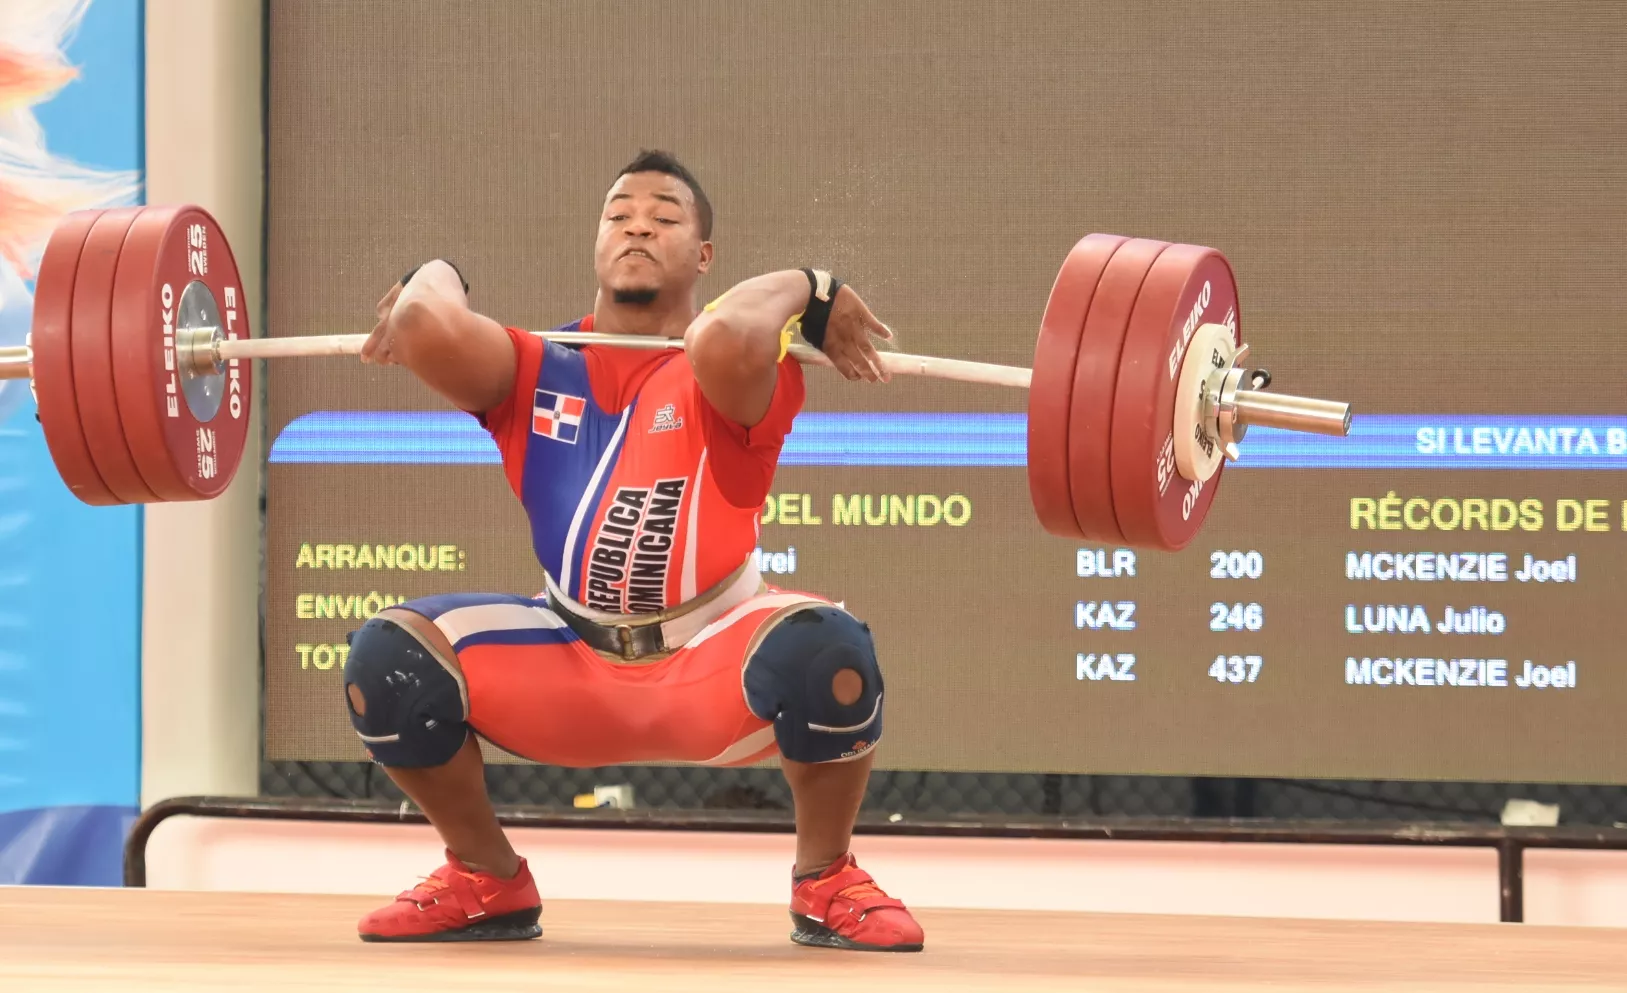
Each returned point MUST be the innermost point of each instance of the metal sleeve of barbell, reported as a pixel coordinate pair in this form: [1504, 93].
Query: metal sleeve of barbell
[15, 362]
[317, 346]
[1257, 408]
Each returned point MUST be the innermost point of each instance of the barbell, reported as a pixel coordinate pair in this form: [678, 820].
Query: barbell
[140, 360]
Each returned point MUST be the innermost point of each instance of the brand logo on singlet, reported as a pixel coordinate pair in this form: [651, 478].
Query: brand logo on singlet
[666, 419]
[632, 553]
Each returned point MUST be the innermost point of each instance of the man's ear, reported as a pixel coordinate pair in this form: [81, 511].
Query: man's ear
[706, 258]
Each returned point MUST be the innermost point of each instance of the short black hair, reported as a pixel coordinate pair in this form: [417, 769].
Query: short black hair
[655, 160]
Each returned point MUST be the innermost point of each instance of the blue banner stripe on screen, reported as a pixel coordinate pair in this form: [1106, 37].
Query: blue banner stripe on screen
[1377, 441]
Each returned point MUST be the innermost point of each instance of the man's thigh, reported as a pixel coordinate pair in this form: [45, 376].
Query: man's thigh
[529, 691]
[708, 712]
[537, 691]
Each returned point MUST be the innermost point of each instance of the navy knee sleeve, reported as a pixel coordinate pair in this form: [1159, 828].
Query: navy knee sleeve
[414, 712]
[788, 681]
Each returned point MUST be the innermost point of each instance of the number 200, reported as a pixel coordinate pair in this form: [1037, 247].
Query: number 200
[1236, 565]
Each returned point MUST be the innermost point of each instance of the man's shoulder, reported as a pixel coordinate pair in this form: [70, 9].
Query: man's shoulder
[543, 350]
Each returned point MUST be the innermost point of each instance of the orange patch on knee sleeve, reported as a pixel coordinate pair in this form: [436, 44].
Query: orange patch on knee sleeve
[846, 686]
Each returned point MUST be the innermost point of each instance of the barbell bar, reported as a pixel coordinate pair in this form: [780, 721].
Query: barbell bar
[207, 353]
[140, 360]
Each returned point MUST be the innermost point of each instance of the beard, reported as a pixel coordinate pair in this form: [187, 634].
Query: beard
[641, 296]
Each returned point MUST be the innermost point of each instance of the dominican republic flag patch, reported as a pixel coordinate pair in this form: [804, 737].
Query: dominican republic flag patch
[557, 416]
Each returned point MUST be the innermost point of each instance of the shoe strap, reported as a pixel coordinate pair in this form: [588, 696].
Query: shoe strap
[855, 886]
[463, 890]
[452, 882]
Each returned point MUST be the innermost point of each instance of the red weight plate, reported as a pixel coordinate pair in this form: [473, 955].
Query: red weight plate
[52, 339]
[93, 357]
[1050, 391]
[1095, 378]
[187, 432]
[1188, 286]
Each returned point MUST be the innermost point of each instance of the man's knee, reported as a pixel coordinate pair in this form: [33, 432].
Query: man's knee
[404, 693]
[816, 677]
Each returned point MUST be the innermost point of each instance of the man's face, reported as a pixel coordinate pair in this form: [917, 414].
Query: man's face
[649, 243]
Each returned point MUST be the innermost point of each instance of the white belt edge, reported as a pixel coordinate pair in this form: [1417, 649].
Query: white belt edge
[676, 631]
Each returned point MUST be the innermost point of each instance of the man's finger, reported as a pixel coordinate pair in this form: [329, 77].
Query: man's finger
[858, 354]
[387, 302]
[873, 360]
[875, 323]
[842, 357]
[873, 363]
[855, 358]
[371, 346]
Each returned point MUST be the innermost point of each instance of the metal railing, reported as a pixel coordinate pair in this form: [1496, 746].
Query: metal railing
[1510, 843]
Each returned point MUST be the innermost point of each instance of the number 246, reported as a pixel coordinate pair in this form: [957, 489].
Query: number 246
[1236, 617]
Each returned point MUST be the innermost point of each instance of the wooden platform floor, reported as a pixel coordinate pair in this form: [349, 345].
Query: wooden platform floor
[122, 941]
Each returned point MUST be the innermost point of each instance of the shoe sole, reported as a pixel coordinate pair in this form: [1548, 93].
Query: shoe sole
[521, 925]
[816, 935]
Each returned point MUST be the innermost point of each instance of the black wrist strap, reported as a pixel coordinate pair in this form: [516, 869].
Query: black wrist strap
[414, 271]
[822, 287]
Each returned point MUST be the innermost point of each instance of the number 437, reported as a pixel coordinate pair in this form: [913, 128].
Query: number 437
[1236, 668]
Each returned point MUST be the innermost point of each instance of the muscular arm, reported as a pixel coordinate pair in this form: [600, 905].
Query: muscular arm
[464, 356]
[734, 346]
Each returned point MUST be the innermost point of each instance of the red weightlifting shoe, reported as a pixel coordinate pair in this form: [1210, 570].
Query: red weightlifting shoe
[843, 907]
[457, 903]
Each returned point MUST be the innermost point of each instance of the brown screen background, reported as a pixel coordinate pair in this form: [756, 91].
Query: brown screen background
[1424, 205]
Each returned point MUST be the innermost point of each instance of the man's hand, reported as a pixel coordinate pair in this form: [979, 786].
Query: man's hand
[434, 282]
[847, 338]
[428, 328]
[734, 345]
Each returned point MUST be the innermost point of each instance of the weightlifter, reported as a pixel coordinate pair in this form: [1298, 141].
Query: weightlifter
[642, 474]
